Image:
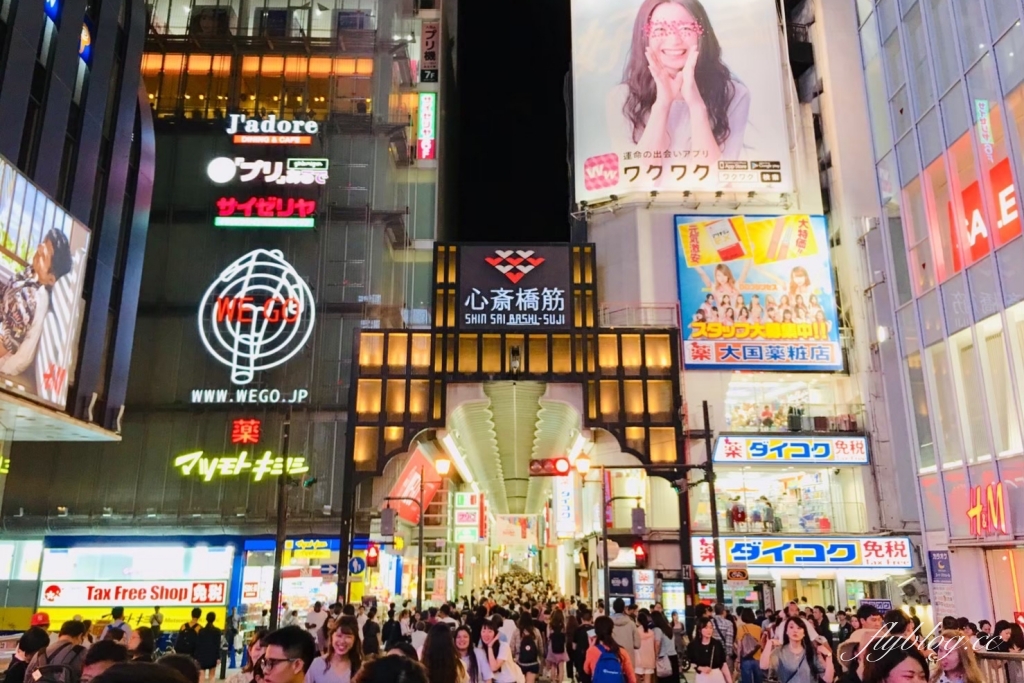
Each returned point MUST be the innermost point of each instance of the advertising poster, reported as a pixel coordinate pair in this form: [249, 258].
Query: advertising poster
[674, 95]
[43, 252]
[515, 530]
[756, 293]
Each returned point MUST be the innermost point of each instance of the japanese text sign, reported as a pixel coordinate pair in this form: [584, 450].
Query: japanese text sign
[756, 293]
[245, 431]
[791, 450]
[515, 287]
[942, 570]
[265, 212]
[406, 492]
[883, 552]
[631, 137]
[430, 59]
[426, 129]
[566, 514]
[234, 465]
[133, 593]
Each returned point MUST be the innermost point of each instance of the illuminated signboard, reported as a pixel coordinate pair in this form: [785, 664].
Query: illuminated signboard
[987, 513]
[133, 593]
[270, 130]
[426, 132]
[246, 431]
[565, 507]
[265, 212]
[292, 172]
[233, 466]
[882, 552]
[430, 62]
[310, 548]
[514, 287]
[258, 314]
[791, 450]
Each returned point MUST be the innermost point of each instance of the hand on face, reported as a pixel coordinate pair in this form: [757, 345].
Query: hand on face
[668, 83]
[688, 90]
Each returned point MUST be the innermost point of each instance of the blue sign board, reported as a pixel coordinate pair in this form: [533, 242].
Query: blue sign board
[52, 9]
[356, 565]
[938, 561]
[328, 569]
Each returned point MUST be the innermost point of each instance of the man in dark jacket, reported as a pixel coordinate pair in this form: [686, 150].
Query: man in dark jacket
[581, 643]
[188, 635]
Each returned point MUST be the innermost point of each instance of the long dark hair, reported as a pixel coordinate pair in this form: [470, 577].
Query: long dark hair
[474, 668]
[880, 663]
[440, 656]
[603, 627]
[348, 626]
[806, 642]
[714, 80]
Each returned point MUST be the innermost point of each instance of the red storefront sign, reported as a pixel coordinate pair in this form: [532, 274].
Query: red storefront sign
[408, 487]
[133, 593]
[978, 234]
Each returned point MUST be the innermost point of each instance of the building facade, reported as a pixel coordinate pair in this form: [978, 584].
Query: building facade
[296, 166]
[946, 126]
[77, 159]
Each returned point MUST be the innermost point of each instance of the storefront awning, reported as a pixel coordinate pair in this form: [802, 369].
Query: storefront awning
[30, 421]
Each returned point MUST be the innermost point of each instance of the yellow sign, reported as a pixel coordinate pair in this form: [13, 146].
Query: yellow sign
[232, 466]
[309, 548]
[766, 240]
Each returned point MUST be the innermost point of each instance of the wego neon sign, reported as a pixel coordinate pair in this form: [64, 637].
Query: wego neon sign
[256, 315]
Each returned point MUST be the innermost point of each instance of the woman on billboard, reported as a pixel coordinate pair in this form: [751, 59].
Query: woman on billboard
[676, 93]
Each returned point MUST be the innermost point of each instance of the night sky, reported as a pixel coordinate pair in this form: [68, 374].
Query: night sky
[513, 177]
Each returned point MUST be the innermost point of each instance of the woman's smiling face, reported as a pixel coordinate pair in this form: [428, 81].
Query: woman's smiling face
[673, 33]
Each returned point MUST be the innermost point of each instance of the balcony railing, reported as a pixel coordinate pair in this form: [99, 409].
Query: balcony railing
[621, 314]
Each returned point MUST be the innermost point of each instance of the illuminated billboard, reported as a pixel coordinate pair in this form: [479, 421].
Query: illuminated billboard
[43, 253]
[676, 95]
[426, 129]
[756, 293]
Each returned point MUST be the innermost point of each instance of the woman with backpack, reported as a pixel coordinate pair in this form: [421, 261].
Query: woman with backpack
[748, 647]
[529, 654]
[558, 653]
[606, 661]
[708, 654]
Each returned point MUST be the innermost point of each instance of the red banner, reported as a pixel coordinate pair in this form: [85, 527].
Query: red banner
[408, 487]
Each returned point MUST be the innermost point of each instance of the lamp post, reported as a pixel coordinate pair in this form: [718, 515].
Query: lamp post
[442, 466]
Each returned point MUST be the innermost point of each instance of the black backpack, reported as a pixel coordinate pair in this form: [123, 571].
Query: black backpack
[528, 650]
[56, 673]
[185, 643]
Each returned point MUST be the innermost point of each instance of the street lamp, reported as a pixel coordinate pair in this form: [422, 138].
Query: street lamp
[582, 465]
[442, 466]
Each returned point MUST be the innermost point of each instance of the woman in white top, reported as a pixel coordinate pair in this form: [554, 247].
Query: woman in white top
[499, 655]
[473, 658]
[344, 655]
[676, 93]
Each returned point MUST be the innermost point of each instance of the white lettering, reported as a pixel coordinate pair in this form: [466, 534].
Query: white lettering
[1007, 206]
[252, 126]
[977, 227]
[286, 126]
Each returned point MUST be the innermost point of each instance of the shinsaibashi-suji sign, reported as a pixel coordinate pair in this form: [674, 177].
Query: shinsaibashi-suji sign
[515, 287]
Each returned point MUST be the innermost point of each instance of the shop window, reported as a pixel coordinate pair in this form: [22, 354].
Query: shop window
[929, 133]
[943, 232]
[955, 304]
[958, 500]
[902, 116]
[1010, 58]
[970, 18]
[955, 119]
[971, 213]
[946, 68]
[967, 380]
[919, 399]
[993, 153]
[933, 502]
[917, 57]
[1002, 406]
[943, 391]
[1005, 573]
[881, 132]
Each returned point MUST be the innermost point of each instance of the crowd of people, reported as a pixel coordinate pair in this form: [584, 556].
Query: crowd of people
[519, 631]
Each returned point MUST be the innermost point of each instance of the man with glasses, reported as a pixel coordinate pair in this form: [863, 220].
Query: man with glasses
[290, 651]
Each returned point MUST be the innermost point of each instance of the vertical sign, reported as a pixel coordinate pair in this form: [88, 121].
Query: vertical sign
[429, 62]
[426, 144]
[565, 507]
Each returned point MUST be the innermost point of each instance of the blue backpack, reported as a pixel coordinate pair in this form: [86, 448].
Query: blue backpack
[608, 668]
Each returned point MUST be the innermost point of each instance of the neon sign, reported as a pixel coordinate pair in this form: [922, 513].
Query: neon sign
[245, 431]
[233, 466]
[426, 147]
[296, 172]
[807, 450]
[265, 212]
[270, 131]
[256, 315]
[987, 513]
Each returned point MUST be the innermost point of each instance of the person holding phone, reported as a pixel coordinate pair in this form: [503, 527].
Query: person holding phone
[798, 659]
[707, 654]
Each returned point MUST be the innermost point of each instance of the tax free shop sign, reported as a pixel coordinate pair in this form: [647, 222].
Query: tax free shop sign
[133, 593]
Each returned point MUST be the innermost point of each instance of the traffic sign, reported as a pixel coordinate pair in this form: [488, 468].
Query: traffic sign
[329, 569]
[356, 565]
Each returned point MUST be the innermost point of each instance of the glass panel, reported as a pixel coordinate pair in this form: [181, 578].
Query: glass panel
[947, 69]
[954, 114]
[1011, 271]
[972, 210]
[888, 188]
[906, 153]
[887, 17]
[943, 234]
[970, 17]
[933, 502]
[1015, 335]
[1010, 58]
[955, 305]
[864, 8]
[917, 57]
[967, 380]
[909, 336]
[955, 489]
[902, 116]
[995, 369]
[951, 450]
[931, 317]
[1001, 13]
[878, 101]
[929, 132]
[919, 398]
[997, 179]
[894, 73]
[984, 288]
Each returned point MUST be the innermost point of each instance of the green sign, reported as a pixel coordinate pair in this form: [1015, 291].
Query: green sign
[466, 534]
[307, 164]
